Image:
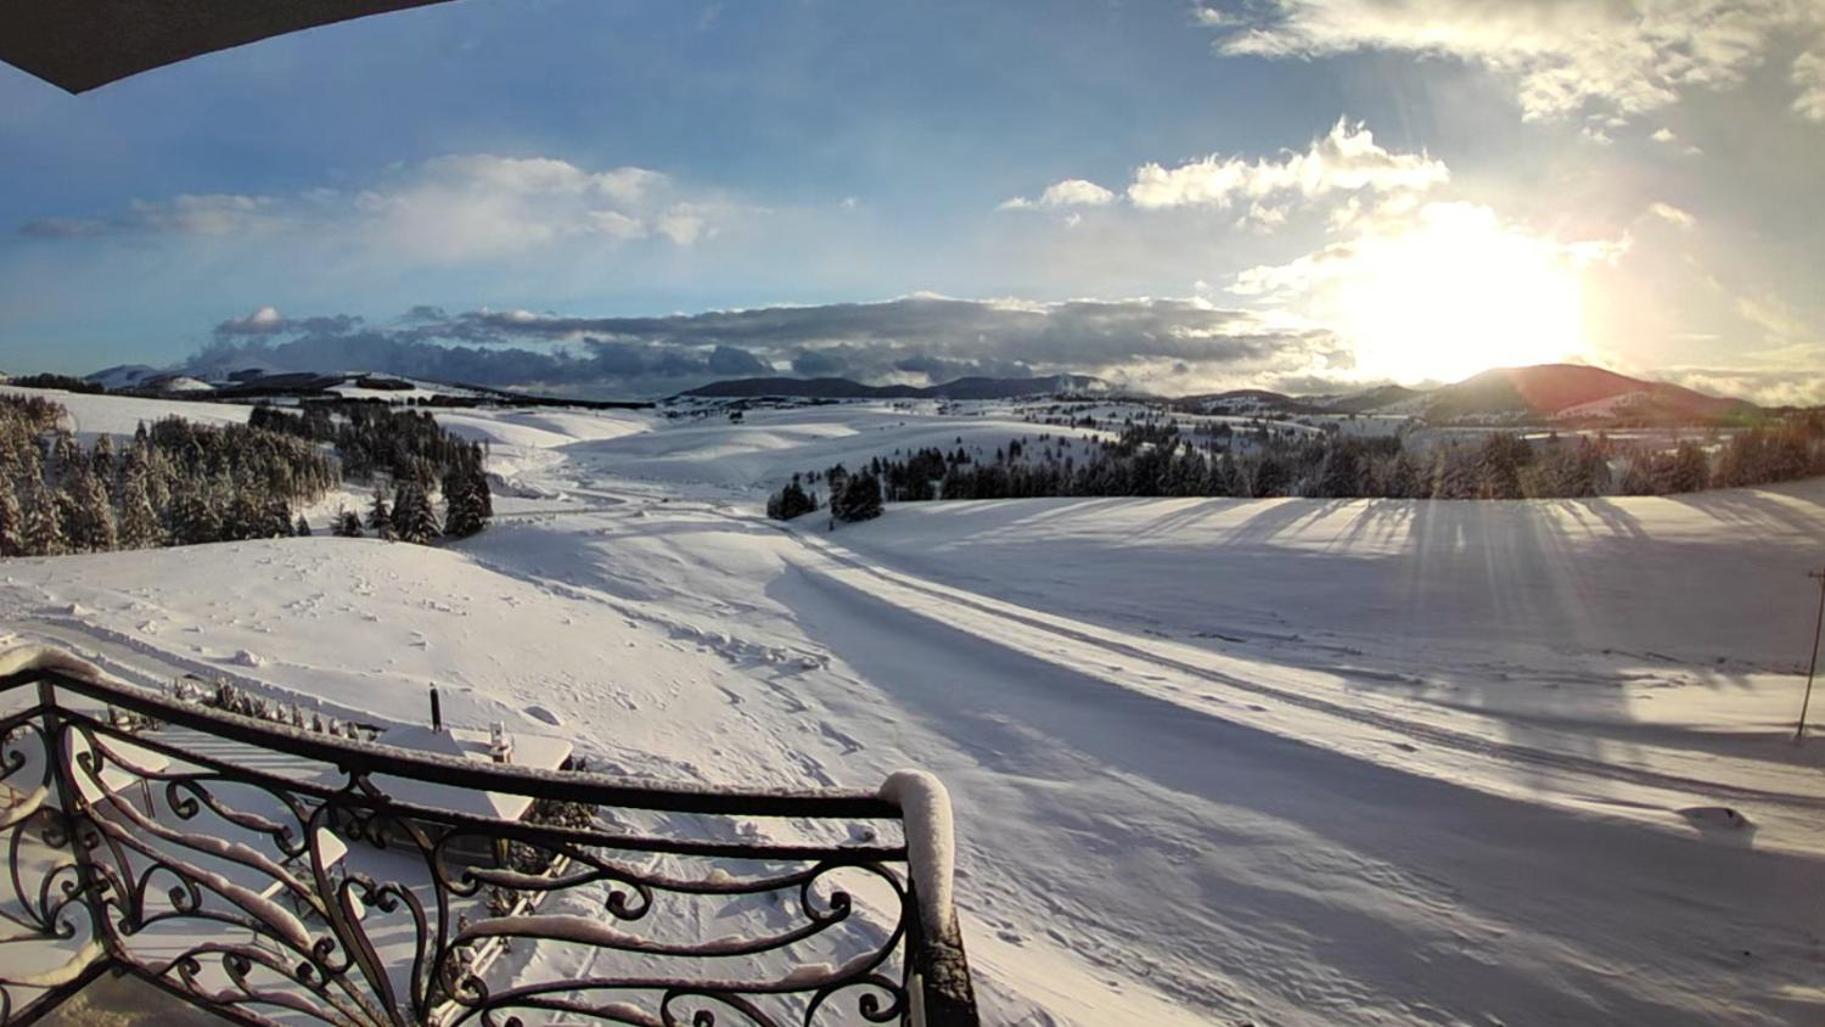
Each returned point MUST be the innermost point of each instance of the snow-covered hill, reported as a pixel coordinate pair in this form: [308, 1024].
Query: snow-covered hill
[1215, 761]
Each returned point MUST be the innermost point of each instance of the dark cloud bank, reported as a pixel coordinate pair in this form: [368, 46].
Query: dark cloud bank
[915, 339]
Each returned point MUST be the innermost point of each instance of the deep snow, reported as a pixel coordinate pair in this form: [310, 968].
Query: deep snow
[1213, 761]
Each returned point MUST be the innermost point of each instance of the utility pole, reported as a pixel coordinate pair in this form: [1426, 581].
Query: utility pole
[1812, 666]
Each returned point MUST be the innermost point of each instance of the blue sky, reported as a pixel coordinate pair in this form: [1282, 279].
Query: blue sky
[1291, 193]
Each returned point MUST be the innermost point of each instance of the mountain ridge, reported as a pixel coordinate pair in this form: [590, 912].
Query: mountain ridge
[1532, 394]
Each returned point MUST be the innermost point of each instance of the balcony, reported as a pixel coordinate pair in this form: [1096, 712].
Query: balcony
[268, 873]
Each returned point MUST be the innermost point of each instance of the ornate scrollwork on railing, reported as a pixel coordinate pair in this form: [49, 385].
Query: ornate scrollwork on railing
[277, 876]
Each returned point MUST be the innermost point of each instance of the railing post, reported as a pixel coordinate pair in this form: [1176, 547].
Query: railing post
[89, 883]
[938, 975]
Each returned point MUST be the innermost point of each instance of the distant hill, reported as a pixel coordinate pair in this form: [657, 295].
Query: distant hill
[1244, 402]
[1369, 400]
[843, 388]
[1573, 392]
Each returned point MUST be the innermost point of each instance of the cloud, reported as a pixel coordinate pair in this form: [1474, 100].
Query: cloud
[215, 214]
[1072, 192]
[1567, 57]
[1766, 387]
[451, 208]
[1809, 79]
[1161, 342]
[1346, 159]
[1672, 215]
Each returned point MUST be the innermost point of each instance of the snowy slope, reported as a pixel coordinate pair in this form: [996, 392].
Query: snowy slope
[1283, 762]
[92, 415]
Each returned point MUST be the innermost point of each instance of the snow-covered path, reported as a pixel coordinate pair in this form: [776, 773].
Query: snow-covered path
[1289, 763]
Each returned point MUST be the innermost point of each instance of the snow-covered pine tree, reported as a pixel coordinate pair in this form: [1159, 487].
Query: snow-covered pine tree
[380, 515]
[347, 524]
[479, 482]
[275, 520]
[413, 518]
[43, 534]
[138, 522]
[303, 528]
[245, 517]
[92, 528]
[195, 517]
[462, 504]
[12, 526]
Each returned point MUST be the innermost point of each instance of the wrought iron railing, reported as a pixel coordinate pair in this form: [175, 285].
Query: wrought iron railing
[273, 874]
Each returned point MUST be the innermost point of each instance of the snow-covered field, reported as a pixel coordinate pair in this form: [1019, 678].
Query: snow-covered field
[1214, 761]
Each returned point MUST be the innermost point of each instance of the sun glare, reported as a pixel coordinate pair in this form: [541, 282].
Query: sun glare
[1459, 293]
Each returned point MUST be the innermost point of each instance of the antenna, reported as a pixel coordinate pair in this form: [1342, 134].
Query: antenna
[1812, 665]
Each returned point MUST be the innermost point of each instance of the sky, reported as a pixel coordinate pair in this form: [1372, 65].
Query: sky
[611, 198]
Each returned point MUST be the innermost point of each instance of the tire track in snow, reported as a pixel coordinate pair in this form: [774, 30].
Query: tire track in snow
[1059, 636]
[1104, 645]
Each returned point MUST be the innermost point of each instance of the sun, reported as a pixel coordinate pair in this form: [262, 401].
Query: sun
[1459, 292]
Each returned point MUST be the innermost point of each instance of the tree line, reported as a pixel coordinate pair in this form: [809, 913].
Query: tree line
[176, 482]
[173, 483]
[408, 447]
[1155, 459]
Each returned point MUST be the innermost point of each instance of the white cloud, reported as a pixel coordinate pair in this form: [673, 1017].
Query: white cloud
[212, 214]
[1075, 192]
[1209, 17]
[616, 225]
[1347, 159]
[1809, 77]
[685, 223]
[1072, 192]
[1781, 326]
[1567, 57]
[1672, 215]
[451, 208]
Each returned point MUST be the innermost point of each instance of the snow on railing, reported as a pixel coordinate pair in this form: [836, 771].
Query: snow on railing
[274, 875]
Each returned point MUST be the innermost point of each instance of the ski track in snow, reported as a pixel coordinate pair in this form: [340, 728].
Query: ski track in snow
[1271, 819]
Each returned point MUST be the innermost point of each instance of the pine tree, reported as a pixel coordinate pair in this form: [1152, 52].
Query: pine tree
[43, 535]
[303, 528]
[103, 458]
[12, 520]
[463, 514]
[860, 499]
[347, 524]
[1453, 477]
[413, 518]
[790, 502]
[1270, 478]
[1403, 477]
[138, 524]
[195, 517]
[1499, 466]
[275, 518]
[380, 516]
[90, 527]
